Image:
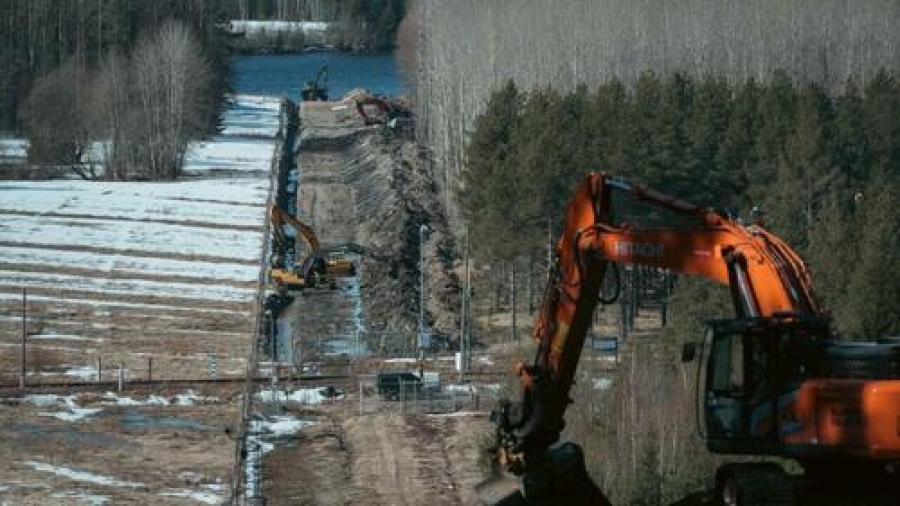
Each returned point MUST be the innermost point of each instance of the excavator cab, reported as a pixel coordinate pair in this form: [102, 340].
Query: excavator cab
[750, 377]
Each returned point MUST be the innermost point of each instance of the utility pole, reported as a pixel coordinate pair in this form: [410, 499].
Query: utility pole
[22, 379]
[423, 338]
[464, 303]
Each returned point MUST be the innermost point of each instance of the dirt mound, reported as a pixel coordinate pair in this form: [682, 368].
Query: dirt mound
[375, 190]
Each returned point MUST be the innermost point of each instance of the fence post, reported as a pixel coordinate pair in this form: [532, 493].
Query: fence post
[99, 371]
[23, 381]
[149, 369]
[121, 376]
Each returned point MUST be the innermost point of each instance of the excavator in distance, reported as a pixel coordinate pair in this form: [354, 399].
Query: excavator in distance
[317, 90]
[775, 381]
[317, 268]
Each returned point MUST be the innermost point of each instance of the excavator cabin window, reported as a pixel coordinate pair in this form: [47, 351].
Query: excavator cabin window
[754, 369]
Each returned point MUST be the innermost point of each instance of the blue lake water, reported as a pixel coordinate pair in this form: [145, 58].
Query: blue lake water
[285, 74]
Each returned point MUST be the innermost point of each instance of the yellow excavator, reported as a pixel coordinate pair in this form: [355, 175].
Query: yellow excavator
[320, 267]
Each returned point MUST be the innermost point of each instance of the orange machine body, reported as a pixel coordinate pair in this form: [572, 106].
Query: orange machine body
[767, 279]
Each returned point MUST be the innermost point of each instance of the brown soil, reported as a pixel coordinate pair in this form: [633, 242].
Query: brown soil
[367, 186]
[371, 186]
[378, 459]
[160, 449]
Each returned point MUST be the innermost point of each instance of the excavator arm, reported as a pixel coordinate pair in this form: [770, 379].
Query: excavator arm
[318, 262]
[765, 277]
[279, 217]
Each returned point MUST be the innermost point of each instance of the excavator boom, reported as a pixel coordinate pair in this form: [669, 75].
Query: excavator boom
[612, 221]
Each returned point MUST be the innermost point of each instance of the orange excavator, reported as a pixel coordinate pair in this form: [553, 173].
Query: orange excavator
[775, 380]
[317, 267]
[387, 111]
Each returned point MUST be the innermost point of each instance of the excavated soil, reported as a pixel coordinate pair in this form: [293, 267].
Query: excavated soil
[369, 187]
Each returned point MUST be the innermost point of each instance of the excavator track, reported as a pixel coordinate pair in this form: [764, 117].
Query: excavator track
[754, 485]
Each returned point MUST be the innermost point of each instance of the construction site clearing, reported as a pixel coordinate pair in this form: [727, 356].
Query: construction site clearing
[146, 331]
[167, 365]
[364, 186]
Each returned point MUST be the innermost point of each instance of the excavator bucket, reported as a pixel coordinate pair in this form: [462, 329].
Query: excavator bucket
[501, 489]
[558, 478]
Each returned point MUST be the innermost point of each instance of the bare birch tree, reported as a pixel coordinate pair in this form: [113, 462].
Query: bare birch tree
[171, 81]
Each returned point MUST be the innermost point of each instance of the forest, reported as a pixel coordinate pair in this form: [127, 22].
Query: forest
[788, 107]
[37, 36]
[821, 170]
[564, 44]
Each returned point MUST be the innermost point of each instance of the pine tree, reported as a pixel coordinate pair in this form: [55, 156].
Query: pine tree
[882, 110]
[851, 154]
[776, 118]
[870, 309]
[707, 124]
[643, 130]
[608, 121]
[736, 152]
[485, 195]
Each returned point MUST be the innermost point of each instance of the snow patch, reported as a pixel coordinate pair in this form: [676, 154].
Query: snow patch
[278, 426]
[112, 398]
[83, 476]
[102, 303]
[602, 383]
[400, 360]
[84, 372]
[13, 148]
[83, 497]
[486, 360]
[44, 399]
[259, 431]
[196, 495]
[238, 26]
[63, 337]
[72, 414]
[167, 289]
[190, 398]
[472, 388]
[300, 396]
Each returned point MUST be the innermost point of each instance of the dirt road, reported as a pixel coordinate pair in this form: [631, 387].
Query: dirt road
[379, 459]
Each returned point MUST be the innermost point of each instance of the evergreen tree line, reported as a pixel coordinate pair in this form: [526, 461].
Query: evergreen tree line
[824, 170]
[464, 49]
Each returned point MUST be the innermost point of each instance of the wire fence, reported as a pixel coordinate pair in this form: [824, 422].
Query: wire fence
[104, 370]
[245, 484]
[426, 396]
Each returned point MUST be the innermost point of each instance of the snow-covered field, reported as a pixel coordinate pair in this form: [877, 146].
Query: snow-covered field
[168, 270]
[13, 149]
[115, 239]
[278, 26]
